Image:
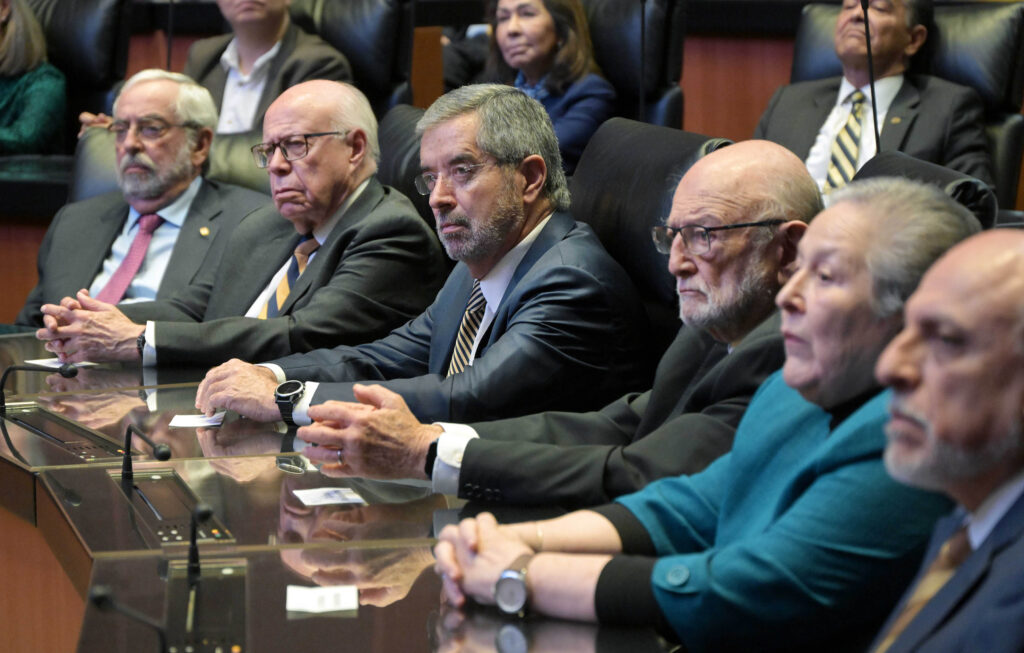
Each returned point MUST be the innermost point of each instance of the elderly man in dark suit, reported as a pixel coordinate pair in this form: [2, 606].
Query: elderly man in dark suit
[957, 426]
[924, 116]
[163, 123]
[535, 315]
[754, 200]
[334, 270]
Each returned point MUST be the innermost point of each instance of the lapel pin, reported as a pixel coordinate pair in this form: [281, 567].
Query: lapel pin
[204, 231]
[896, 120]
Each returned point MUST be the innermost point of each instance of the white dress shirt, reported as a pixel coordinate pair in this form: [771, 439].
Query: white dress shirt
[242, 92]
[821, 152]
[147, 280]
[982, 521]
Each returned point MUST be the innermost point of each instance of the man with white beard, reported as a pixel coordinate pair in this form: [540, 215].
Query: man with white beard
[147, 240]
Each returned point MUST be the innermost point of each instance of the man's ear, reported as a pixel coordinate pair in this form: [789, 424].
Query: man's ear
[535, 172]
[918, 35]
[360, 150]
[201, 150]
[788, 237]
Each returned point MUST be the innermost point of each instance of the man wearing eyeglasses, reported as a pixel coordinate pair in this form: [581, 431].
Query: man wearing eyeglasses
[148, 240]
[335, 270]
[731, 237]
[535, 314]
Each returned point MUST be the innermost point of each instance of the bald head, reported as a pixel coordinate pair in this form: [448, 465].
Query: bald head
[331, 137]
[957, 372]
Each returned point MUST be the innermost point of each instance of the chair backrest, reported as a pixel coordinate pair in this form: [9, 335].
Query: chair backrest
[622, 187]
[615, 31]
[376, 38]
[972, 193]
[87, 40]
[93, 171]
[400, 155]
[980, 45]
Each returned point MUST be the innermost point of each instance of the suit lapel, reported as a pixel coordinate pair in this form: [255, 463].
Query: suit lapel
[967, 577]
[193, 240]
[273, 86]
[822, 100]
[901, 115]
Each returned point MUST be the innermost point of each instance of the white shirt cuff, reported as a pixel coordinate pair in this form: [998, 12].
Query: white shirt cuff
[276, 369]
[149, 349]
[300, 414]
[451, 446]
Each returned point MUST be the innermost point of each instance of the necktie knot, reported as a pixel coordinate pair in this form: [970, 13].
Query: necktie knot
[149, 223]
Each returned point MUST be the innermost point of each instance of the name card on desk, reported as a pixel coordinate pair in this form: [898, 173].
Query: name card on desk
[322, 600]
[326, 495]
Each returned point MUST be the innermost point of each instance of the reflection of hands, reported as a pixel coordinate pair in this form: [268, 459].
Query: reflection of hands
[242, 387]
[106, 412]
[93, 120]
[344, 523]
[86, 329]
[472, 555]
[378, 437]
[240, 437]
[383, 576]
[90, 378]
[478, 631]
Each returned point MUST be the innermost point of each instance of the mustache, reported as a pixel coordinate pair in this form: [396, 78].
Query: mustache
[140, 159]
[897, 405]
[447, 219]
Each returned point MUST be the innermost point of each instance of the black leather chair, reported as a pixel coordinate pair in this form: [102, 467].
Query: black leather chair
[400, 155]
[622, 187]
[980, 45]
[375, 36]
[615, 32]
[88, 41]
[973, 193]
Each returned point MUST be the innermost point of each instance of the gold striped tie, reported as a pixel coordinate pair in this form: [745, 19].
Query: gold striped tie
[296, 267]
[474, 314]
[952, 554]
[843, 164]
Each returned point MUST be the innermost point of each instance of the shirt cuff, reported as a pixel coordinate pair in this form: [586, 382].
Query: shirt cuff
[149, 349]
[276, 369]
[451, 446]
[635, 538]
[300, 414]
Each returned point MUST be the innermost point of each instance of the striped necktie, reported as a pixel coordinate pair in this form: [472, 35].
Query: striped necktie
[474, 314]
[296, 267]
[115, 288]
[843, 164]
[952, 554]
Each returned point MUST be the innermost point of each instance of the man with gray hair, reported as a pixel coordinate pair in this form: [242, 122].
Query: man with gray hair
[333, 270]
[148, 240]
[535, 315]
[956, 426]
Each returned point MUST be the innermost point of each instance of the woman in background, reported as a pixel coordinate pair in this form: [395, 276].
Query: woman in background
[543, 47]
[32, 96]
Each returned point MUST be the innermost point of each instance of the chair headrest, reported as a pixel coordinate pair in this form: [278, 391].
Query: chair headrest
[400, 155]
[973, 193]
[623, 186]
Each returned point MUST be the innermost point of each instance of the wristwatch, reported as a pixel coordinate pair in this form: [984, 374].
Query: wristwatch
[287, 395]
[510, 593]
[140, 343]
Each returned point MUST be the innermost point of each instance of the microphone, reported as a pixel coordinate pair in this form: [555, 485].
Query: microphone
[871, 75]
[160, 451]
[67, 370]
[200, 514]
[102, 597]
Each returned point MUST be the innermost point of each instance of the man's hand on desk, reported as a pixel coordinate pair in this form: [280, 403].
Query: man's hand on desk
[377, 438]
[242, 387]
[85, 329]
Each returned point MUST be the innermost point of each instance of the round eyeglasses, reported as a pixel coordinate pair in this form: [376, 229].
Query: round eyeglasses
[292, 147]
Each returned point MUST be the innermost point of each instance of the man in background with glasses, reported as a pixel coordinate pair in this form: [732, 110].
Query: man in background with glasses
[148, 240]
[336, 268]
[731, 237]
[535, 315]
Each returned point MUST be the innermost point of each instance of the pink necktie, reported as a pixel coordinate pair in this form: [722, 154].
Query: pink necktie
[114, 291]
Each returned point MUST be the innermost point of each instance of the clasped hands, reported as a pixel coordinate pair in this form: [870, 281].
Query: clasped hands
[82, 328]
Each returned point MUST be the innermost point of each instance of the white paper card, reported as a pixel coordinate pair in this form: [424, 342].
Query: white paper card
[195, 421]
[325, 495]
[337, 598]
[55, 363]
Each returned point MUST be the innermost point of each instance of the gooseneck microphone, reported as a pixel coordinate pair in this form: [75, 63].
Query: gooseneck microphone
[67, 370]
[871, 75]
[200, 514]
[103, 598]
[160, 451]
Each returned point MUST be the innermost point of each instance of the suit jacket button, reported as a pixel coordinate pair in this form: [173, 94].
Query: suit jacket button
[678, 575]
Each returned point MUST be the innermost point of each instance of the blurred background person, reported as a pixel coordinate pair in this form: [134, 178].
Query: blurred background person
[542, 47]
[32, 98]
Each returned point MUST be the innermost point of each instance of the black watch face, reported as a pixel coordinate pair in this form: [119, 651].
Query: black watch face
[510, 592]
[289, 388]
